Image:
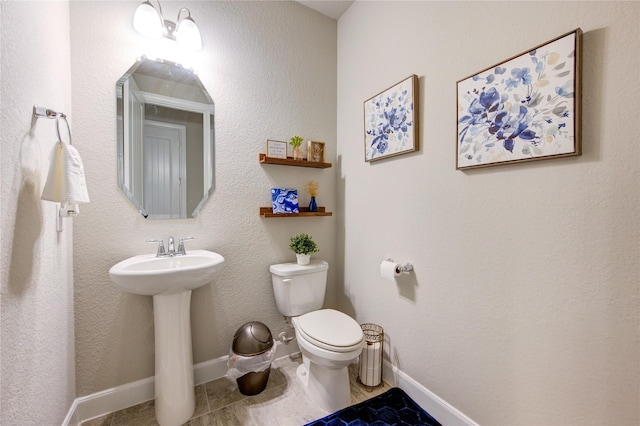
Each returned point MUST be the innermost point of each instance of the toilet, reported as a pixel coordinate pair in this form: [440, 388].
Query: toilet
[328, 339]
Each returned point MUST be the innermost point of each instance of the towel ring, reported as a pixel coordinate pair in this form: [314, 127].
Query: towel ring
[64, 117]
[49, 113]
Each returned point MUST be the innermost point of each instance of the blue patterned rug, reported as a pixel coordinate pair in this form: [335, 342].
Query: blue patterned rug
[392, 408]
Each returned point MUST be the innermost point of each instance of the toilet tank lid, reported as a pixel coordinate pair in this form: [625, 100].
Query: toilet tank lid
[293, 269]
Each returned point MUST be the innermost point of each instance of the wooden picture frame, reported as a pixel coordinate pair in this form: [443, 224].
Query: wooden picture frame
[390, 124]
[276, 149]
[315, 152]
[523, 109]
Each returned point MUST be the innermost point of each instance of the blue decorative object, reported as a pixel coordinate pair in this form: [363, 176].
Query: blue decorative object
[284, 200]
[313, 207]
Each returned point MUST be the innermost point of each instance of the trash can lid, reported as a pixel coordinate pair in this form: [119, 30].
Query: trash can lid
[252, 338]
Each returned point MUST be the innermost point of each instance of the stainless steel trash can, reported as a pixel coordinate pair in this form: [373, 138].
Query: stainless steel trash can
[252, 339]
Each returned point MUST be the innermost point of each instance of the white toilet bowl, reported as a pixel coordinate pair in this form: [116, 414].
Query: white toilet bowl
[329, 341]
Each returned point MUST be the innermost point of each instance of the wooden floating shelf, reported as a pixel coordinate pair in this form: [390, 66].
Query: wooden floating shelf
[304, 212]
[291, 162]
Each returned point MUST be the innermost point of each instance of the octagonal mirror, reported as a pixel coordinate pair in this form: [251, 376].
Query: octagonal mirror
[165, 140]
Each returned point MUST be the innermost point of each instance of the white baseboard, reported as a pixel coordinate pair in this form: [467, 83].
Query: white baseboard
[109, 400]
[130, 394]
[440, 409]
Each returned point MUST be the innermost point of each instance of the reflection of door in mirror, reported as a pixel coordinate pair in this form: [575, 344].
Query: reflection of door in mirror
[193, 185]
[165, 170]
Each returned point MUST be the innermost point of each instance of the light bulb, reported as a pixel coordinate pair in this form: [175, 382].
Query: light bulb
[147, 21]
[188, 34]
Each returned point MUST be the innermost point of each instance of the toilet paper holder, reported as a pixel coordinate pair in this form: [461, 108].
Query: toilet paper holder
[406, 268]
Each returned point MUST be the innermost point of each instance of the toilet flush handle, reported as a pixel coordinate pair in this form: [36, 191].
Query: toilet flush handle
[288, 280]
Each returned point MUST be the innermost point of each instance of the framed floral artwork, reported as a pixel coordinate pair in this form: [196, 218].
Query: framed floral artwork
[390, 125]
[523, 109]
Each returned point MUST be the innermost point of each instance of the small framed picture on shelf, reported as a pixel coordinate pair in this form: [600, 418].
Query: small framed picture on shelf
[315, 152]
[276, 149]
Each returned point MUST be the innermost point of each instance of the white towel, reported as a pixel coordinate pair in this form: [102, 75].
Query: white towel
[65, 182]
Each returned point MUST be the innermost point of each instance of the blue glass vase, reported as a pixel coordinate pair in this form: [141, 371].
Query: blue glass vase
[313, 207]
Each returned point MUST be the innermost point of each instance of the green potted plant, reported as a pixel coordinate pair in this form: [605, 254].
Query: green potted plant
[303, 246]
[295, 143]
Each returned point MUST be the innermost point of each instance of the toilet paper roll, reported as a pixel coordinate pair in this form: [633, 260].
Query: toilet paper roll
[389, 270]
[370, 368]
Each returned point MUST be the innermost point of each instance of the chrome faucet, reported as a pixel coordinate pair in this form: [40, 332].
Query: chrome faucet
[171, 247]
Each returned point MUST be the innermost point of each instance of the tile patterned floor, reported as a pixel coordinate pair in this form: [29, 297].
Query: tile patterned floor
[219, 402]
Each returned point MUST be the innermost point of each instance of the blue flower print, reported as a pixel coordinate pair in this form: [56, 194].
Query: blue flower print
[396, 118]
[518, 109]
[519, 76]
[382, 146]
[389, 123]
[523, 75]
[507, 126]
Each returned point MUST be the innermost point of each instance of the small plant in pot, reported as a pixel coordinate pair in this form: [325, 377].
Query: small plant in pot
[303, 246]
[295, 143]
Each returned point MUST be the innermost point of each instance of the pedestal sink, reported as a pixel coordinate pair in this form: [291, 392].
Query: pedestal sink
[170, 280]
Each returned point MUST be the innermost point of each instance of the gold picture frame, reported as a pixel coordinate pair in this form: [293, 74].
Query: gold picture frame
[276, 149]
[315, 152]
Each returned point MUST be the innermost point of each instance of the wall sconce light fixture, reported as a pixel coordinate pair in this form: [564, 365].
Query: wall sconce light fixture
[150, 23]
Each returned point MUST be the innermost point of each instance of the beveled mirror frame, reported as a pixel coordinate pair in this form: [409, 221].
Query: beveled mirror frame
[178, 93]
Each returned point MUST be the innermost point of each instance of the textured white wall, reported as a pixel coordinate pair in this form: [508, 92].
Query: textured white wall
[524, 305]
[36, 298]
[270, 68]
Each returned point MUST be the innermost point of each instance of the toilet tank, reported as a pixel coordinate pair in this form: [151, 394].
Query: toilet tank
[299, 289]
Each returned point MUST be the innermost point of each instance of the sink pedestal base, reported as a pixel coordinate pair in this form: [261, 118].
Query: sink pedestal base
[175, 399]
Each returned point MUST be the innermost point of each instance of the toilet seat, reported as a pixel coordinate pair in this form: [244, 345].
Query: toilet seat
[330, 329]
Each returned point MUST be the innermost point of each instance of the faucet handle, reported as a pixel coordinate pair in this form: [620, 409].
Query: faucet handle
[181, 244]
[160, 251]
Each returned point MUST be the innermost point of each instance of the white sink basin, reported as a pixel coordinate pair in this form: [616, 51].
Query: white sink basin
[149, 275]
